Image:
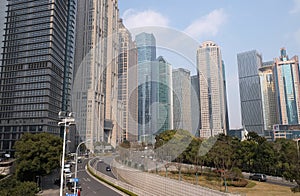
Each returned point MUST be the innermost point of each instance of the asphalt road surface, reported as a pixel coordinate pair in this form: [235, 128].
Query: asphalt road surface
[90, 186]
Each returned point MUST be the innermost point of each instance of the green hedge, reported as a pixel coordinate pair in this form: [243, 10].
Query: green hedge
[111, 184]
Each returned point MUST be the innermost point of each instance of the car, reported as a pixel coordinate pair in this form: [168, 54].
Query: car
[108, 168]
[258, 177]
[67, 170]
[79, 161]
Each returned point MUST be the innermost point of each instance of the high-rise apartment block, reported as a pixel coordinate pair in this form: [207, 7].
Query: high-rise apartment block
[182, 118]
[250, 91]
[34, 64]
[212, 90]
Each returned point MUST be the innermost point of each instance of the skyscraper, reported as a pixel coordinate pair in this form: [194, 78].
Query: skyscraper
[111, 74]
[162, 97]
[182, 99]
[250, 91]
[268, 92]
[33, 68]
[195, 105]
[127, 84]
[287, 86]
[88, 96]
[146, 49]
[212, 95]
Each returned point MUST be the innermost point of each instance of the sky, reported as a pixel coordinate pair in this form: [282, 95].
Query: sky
[236, 26]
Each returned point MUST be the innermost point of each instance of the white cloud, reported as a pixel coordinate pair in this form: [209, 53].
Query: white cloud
[134, 19]
[296, 7]
[209, 24]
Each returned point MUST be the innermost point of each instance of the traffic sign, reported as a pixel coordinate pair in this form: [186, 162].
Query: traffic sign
[74, 180]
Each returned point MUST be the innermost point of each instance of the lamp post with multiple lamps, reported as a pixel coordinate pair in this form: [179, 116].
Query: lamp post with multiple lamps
[76, 162]
[67, 120]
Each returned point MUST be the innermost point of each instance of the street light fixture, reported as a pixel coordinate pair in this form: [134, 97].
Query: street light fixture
[76, 162]
[67, 120]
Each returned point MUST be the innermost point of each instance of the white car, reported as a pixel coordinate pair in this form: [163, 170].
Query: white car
[67, 170]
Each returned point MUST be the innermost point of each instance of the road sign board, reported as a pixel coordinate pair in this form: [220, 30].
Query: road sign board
[74, 180]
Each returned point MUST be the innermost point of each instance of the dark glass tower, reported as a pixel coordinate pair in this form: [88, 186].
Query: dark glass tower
[33, 68]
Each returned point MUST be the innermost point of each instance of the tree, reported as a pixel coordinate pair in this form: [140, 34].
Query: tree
[12, 187]
[37, 155]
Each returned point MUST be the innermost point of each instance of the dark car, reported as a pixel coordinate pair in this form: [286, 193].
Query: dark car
[108, 168]
[258, 177]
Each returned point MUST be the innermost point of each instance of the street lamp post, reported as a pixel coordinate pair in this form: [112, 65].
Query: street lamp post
[76, 162]
[70, 120]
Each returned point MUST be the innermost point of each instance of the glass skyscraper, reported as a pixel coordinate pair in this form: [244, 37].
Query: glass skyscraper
[250, 91]
[33, 68]
[268, 92]
[146, 49]
[287, 87]
[182, 99]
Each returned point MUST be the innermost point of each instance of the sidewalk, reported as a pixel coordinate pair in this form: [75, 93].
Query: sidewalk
[48, 186]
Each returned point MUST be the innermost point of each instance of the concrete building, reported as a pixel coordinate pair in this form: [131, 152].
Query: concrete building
[34, 64]
[182, 116]
[213, 106]
[88, 92]
[287, 86]
[127, 84]
[250, 91]
[111, 73]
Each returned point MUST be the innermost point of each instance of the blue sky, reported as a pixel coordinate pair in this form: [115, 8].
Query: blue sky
[235, 25]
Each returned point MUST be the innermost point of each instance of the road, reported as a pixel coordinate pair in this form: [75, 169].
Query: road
[100, 165]
[273, 180]
[90, 186]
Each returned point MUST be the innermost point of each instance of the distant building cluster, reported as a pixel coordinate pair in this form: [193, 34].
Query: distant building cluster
[269, 94]
[77, 56]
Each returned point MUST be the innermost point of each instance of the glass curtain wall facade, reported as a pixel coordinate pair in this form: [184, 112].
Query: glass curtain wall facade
[32, 69]
[162, 97]
[250, 91]
[212, 95]
[287, 86]
[195, 107]
[268, 91]
[182, 99]
[146, 49]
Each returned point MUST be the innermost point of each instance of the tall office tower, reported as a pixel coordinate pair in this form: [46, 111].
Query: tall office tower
[212, 94]
[70, 50]
[195, 105]
[32, 69]
[287, 86]
[268, 92]
[111, 74]
[3, 9]
[127, 84]
[146, 49]
[250, 91]
[162, 97]
[89, 78]
[182, 99]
